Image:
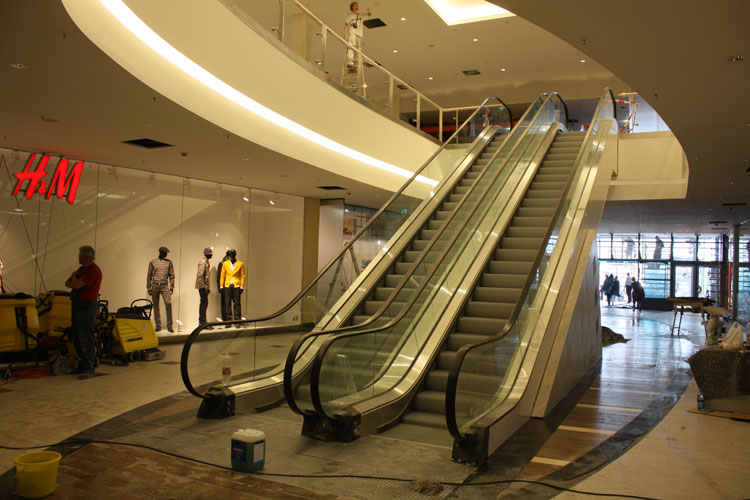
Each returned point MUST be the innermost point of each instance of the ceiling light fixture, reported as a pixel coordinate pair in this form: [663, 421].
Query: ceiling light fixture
[271, 202]
[395, 51]
[403, 19]
[502, 69]
[429, 78]
[475, 40]
[470, 11]
[583, 60]
[736, 58]
[18, 65]
[137, 27]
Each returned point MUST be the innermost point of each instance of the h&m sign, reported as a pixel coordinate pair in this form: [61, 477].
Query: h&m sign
[60, 183]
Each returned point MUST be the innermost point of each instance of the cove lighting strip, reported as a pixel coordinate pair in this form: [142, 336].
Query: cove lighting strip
[137, 27]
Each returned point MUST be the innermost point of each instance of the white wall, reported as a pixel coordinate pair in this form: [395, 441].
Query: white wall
[652, 166]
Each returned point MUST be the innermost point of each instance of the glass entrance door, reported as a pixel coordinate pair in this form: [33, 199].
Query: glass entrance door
[683, 281]
[709, 282]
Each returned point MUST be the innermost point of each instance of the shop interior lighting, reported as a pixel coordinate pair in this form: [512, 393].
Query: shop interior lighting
[156, 43]
[454, 12]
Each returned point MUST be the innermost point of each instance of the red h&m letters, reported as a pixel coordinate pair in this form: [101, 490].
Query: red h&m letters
[60, 183]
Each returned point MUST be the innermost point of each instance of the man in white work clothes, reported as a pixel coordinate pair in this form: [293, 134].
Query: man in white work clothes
[353, 31]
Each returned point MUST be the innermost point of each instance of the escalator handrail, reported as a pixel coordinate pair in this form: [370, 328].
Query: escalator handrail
[314, 390]
[455, 370]
[194, 334]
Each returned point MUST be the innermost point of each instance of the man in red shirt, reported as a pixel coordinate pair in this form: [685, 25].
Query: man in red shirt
[85, 282]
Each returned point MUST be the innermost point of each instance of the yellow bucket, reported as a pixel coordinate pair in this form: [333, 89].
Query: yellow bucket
[37, 473]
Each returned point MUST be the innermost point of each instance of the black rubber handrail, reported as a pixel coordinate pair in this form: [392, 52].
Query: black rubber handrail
[194, 334]
[314, 389]
[455, 370]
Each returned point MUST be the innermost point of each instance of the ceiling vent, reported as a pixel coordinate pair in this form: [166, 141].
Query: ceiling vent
[717, 222]
[147, 143]
[330, 188]
[374, 23]
[471, 72]
[734, 204]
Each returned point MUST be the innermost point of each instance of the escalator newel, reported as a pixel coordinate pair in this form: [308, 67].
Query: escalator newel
[342, 430]
[217, 404]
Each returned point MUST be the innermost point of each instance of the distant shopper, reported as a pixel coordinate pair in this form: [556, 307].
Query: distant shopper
[353, 32]
[85, 283]
[629, 247]
[160, 283]
[629, 287]
[638, 295]
[203, 283]
[658, 248]
[607, 288]
[616, 288]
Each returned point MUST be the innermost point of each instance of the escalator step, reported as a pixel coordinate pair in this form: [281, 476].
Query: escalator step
[372, 306]
[535, 211]
[460, 190]
[425, 419]
[437, 380]
[476, 326]
[545, 177]
[556, 186]
[527, 232]
[542, 193]
[455, 198]
[441, 214]
[492, 294]
[382, 292]
[449, 206]
[511, 255]
[480, 309]
[530, 221]
[511, 243]
[430, 402]
[503, 280]
[458, 340]
[555, 170]
[539, 202]
[507, 266]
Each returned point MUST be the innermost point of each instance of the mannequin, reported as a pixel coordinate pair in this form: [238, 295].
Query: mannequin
[203, 284]
[160, 283]
[221, 286]
[233, 280]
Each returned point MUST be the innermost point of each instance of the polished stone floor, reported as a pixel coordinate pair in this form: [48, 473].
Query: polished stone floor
[625, 429]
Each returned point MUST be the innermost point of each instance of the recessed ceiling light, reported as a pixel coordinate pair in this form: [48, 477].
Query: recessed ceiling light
[429, 78]
[403, 19]
[395, 51]
[245, 198]
[583, 60]
[502, 69]
[18, 65]
[475, 40]
[247, 158]
[271, 202]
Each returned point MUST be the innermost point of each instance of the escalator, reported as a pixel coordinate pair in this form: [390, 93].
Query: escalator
[438, 192]
[457, 353]
[498, 290]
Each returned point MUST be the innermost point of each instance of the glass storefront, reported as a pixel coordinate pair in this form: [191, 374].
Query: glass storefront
[126, 215]
[678, 265]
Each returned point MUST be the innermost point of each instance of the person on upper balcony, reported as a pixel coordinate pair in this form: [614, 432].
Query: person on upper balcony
[353, 32]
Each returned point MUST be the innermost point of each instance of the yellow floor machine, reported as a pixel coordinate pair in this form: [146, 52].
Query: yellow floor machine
[128, 335]
[34, 331]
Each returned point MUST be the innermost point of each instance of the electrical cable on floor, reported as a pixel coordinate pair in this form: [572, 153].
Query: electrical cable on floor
[325, 476]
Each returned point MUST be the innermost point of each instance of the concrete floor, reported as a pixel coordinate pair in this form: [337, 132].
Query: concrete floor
[619, 434]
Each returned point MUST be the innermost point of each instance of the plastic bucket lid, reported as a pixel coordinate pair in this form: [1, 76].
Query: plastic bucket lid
[37, 473]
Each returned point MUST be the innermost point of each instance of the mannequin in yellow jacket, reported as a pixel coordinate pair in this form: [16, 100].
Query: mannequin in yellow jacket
[232, 280]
